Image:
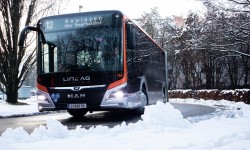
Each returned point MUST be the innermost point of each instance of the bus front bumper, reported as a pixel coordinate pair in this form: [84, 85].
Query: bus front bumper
[115, 98]
[118, 98]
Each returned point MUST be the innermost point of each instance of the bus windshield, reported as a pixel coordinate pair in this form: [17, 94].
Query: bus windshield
[91, 44]
[80, 50]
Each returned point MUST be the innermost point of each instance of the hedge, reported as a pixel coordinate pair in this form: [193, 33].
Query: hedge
[237, 95]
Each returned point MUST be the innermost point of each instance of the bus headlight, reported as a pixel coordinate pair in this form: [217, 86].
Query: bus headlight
[117, 95]
[41, 98]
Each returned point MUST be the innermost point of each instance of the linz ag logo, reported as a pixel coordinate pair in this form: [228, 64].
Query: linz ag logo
[76, 79]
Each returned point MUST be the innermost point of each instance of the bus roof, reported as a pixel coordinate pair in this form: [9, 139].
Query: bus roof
[85, 13]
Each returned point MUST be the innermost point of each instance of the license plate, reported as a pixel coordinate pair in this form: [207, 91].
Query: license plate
[77, 106]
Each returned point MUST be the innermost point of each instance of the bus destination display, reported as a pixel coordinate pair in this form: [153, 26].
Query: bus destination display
[55, 24]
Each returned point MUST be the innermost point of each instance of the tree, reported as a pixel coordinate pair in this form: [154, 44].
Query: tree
[15, 62]
[209, 51]
[234, 38]
[169, 41]
[150, 22]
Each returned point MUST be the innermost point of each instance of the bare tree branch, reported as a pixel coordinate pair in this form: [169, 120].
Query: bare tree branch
[17, 62]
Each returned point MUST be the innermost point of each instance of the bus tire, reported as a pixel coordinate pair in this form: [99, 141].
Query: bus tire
[77, 112]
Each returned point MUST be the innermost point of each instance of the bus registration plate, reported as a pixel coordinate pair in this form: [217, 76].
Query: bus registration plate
[77, 106]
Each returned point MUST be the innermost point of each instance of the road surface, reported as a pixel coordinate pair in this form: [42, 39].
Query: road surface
[110, 119]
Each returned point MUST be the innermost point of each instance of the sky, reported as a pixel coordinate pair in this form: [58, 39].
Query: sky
[135, 8]
[162, 128]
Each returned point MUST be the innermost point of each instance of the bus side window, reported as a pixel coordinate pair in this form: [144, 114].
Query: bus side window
[130, 35]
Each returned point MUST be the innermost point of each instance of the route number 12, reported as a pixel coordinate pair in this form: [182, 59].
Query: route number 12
[49, 25]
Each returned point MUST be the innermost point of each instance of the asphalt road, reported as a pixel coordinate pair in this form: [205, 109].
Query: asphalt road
[110, 119]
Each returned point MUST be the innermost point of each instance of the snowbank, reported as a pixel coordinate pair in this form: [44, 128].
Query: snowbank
[162, 128]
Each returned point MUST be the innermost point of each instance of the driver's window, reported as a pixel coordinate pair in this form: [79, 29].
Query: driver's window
[46, 58]
[50, 63]
[55, 60]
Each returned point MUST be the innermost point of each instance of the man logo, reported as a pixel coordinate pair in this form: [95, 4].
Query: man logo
[76, 96]
[76, 88]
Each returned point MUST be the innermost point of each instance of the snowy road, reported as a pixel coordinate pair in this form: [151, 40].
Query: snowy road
[162, 127]
[110, 119]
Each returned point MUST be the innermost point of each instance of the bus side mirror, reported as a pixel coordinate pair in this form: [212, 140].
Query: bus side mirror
[24, 32]
[130, 36]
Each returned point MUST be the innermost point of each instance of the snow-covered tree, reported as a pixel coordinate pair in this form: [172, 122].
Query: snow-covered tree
[16, 62]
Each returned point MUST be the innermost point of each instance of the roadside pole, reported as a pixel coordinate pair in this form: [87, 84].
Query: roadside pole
[166, 79]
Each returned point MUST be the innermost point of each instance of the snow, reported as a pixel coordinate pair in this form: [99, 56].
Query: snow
[7, 110]
[162, 128]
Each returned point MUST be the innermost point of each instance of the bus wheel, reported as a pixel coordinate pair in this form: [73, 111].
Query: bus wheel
[140, 111]
[77, 112]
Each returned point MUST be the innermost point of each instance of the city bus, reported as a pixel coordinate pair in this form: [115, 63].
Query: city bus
[96, 61]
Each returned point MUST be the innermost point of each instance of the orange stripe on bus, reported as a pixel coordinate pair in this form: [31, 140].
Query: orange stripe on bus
[41, 87]
[119, 82]
[124, 52]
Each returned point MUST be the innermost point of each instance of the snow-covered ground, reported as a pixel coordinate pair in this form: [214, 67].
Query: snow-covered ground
[162, 128]
[7, 110]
